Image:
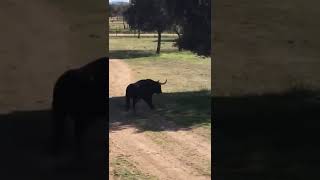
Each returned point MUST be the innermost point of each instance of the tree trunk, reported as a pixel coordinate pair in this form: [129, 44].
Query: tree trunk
[179, 45]
[179, 39]
[138, 33]
[159, 42]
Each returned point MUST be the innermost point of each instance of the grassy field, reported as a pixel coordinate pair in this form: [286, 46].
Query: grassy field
[186, 73]
[145, 44]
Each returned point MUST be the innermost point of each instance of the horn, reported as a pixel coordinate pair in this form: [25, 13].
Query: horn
[163, 82]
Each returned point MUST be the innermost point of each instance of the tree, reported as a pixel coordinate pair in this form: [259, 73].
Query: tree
[194, 18]
[117, 9]
[133, 17]
[189, 19]
[149, 15]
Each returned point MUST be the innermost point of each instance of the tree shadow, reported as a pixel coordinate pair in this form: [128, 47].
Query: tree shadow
[130, 54]
[174, 111]
[167, 40]
[272, 136]
[25, 138]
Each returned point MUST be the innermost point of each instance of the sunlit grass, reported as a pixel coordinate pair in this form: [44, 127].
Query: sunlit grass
[142, 44]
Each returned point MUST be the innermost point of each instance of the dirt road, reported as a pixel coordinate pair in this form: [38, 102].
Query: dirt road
[167, 154]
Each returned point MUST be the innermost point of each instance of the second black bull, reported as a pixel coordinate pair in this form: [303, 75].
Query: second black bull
[79, 94]
[143, 89]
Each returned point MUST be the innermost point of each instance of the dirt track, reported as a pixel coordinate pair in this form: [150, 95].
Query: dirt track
[120, 76]
[162, 155]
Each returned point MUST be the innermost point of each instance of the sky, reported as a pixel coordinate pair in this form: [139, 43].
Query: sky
[118, 0]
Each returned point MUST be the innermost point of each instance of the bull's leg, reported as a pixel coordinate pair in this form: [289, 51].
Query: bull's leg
[127, 103]
[80, 130]
[58, 131]
[135, 100]
[148, 100]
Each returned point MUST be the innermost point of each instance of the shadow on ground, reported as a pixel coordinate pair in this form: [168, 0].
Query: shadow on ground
[267, 137]
[174, 111]
[166, 40]
[130, 54]
[25, 143]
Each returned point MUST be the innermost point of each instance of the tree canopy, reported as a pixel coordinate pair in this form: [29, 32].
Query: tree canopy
[190, 19]
[194, 17]
[149, 15]
[117, 9]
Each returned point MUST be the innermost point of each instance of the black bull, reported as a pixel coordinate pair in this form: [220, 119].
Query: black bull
[79, 94]
[143, 89]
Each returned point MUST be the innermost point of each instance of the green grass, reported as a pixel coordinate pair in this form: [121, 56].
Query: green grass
[140, 44]
[188, 109]
[184, 70]
[125, 170]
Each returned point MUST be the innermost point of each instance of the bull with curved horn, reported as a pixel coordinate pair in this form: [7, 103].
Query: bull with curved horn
[143, 89]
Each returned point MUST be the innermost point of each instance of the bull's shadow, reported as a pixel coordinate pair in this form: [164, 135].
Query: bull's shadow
[174, 111]
[25, 138]
[272, 136]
